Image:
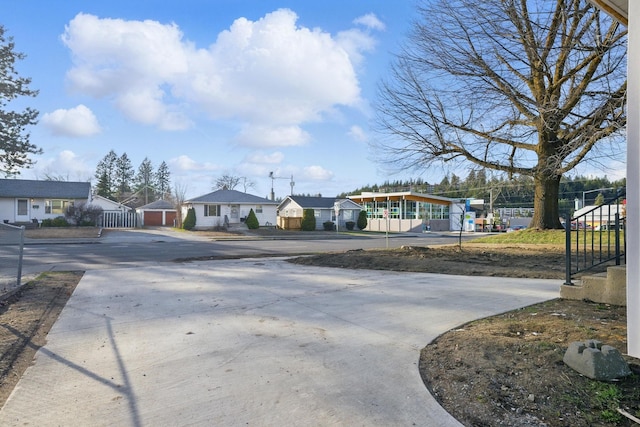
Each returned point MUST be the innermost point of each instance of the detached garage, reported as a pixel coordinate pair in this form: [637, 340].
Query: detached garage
[160, 213]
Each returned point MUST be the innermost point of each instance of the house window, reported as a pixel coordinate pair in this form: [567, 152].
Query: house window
[258, 209]
[211, 210]
[57, 207]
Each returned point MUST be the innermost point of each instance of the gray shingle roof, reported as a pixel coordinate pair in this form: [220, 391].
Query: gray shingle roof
[231, 196]
[158, 204]
[314, 202]
[48, 189]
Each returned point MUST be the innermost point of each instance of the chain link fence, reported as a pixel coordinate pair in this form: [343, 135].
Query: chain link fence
[11, 250]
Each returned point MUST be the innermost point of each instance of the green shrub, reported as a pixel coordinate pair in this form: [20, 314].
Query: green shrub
[190, 221]
[252, 221]
[58, 221]
[362, 220]
[308, 220]
[350, 225]
[328, 226]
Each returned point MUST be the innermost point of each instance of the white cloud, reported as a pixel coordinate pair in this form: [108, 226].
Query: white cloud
[272, 136]
[65, 165]
[75, 122]
[370, 20]
[264, 73]
[263, 158]
[186, 163]
[357, 133]
[317, 173]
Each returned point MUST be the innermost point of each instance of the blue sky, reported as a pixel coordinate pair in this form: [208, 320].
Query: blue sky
[213, 87]
[210, 87]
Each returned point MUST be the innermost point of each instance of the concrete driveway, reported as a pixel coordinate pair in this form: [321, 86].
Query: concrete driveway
[256, 342]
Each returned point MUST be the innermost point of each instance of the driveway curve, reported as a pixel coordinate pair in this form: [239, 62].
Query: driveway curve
[257, 342]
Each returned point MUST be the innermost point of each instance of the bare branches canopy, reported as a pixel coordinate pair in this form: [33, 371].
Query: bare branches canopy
[525, 87]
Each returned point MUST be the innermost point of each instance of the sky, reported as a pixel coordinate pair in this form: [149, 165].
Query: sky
[211, 87]
[219, 87]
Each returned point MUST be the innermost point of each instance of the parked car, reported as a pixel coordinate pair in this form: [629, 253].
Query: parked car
[515, 228]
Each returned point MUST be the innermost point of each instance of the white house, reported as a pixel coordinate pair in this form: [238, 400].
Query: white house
[24, 200]
[230, 207]
[291, 209]
[108, 204]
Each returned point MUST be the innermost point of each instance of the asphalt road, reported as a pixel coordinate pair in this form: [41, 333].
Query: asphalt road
[121, 249]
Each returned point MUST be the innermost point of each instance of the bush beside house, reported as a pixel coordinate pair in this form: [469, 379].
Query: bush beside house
[58, 221]
[190, 220]
[252, 221]
[308, 220]
[362, 220]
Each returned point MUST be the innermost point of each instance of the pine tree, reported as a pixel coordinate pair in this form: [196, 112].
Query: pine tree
[124, 174]
[15, 147]
[163, 180]
[105, 174]
[145, 181]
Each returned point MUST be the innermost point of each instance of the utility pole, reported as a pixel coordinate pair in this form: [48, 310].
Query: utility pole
[273, 177]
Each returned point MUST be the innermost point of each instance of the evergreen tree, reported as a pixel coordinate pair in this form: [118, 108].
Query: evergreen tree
[124, 174]
[252, 221]
[362, 220]
[190, 220]
[163, 180]
[308, 220]
[105, 174]
[145, 181]
[103, 188]
[15, 147]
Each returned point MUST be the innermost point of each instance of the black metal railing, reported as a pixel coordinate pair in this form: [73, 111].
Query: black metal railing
[596, 237]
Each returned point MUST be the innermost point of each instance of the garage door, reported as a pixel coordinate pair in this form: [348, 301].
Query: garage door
[152, 218]
[170, 218]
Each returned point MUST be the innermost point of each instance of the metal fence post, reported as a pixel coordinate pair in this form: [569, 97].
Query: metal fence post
[21, 250]
[567, 259]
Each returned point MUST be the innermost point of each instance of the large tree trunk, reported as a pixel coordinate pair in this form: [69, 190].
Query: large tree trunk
[545, 202]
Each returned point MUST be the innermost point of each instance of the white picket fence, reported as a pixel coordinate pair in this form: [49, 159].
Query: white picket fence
[118, 219]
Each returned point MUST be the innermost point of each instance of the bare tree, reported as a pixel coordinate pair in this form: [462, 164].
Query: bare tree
[179, 197]
[230, 182]
[525, 87]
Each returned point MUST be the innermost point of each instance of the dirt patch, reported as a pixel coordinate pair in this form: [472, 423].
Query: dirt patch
[62, 233]
[507, 370]
[26, 316]
[532, 261]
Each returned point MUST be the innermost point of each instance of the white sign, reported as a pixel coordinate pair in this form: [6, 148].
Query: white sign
[385, 213]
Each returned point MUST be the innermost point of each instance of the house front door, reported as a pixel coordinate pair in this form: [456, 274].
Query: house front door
[235, 214]
[22, 210]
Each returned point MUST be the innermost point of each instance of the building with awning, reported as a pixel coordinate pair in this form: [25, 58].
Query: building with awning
[408, 211]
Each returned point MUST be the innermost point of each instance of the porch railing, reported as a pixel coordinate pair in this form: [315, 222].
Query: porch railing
[596, 237]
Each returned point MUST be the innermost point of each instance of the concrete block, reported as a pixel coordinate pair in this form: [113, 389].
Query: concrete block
[572, 292]
[594, 287]
[596, 361]
[616, 292]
